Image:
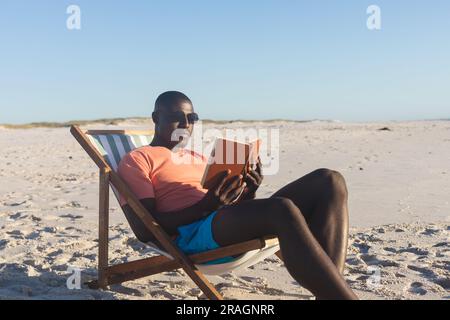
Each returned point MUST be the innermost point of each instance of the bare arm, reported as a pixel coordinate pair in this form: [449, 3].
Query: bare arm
[168, 220]
[225, 192]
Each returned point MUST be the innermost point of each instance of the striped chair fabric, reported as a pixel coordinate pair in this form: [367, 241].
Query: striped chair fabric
[114, 146]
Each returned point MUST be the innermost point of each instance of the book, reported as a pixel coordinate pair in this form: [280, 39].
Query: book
[238, 157]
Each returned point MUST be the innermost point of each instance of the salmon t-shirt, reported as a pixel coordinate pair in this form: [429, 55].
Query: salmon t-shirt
[171, 177]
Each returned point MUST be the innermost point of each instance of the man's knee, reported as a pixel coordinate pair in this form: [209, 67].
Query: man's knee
[286, 210]
[332, 181]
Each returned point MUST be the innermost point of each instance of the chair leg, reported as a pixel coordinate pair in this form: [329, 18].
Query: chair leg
[103, 229]
[200, 280]
[279, 255]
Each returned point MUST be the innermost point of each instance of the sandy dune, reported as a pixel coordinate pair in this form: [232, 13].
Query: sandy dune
[399, 183]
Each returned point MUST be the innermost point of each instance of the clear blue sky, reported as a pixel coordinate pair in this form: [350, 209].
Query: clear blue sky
[235, 59]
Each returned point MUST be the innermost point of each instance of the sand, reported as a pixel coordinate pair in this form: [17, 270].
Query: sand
[398, 179]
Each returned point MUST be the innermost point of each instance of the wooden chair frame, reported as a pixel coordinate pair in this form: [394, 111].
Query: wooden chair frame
[118, 273]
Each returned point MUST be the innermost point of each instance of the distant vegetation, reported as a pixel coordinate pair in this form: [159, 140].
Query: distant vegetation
[117, 121]
[113, 121]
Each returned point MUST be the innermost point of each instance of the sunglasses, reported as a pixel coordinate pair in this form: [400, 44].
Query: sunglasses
[181, 117]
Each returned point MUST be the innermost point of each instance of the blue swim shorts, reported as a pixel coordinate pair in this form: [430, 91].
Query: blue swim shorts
[197, 237]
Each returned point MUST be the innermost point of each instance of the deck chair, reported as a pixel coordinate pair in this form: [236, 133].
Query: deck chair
[106, 148]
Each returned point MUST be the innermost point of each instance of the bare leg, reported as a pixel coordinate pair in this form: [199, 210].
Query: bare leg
[321, 196]
[303, 256]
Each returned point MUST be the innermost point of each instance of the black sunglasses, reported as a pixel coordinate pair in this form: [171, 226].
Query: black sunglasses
[181, 117]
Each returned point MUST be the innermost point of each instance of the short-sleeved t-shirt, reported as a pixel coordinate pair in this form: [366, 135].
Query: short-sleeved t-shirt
[171, 177]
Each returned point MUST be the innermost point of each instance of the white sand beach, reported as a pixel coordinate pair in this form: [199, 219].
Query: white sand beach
[398, 180]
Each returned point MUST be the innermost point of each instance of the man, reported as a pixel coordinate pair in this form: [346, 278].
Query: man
[309, 215]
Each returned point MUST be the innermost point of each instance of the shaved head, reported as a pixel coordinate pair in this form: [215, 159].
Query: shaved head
[170, 99]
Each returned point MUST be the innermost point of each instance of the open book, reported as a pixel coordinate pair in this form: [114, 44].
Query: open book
[230, 155]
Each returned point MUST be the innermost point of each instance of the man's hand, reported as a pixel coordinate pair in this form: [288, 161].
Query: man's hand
[253, 179]
[226, 191]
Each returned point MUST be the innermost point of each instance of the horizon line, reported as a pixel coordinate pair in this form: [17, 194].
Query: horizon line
[115, 121]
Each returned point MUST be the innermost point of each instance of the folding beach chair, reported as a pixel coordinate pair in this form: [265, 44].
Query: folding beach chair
[106, 148]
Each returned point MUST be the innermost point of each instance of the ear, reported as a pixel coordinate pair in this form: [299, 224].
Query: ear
[155, 117]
